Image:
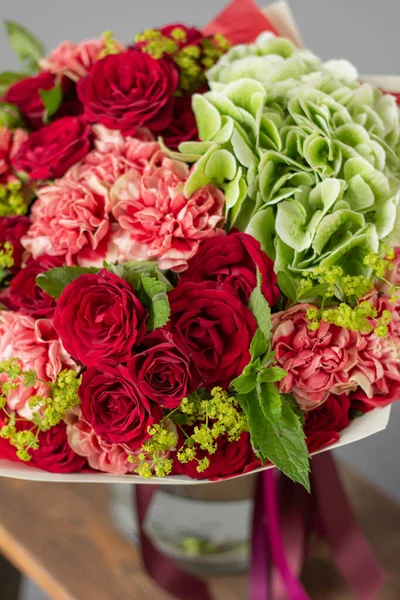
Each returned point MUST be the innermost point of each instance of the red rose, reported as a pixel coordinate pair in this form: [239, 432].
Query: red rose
[212, 325]
[25, 95]
[99, 319]
[12, 229]
[183, 127]
[162, 372]
[55, 454]
[231, 458]
[129, 90]
[234, 259]
[51, 151]
[112, 405]
[324, 424]
[26, 295]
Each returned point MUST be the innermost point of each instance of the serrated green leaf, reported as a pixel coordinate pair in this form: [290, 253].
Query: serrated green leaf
[10, 116]
[153, 293]
[51, 100]
[271, 375]
[30, 378]
[27, 47]
[276, 432]
[261, 310]
[8, 78]
[259, 345]
[246, 382]
[133, 270]
[55, 280]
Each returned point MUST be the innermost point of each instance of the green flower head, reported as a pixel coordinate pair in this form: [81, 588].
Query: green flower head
[308, 157]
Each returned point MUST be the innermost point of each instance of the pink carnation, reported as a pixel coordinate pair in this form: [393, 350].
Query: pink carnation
[35, 343]
[317, 362]
[101, 455]
[10, 143]
[71, 218]
[157, 221]
[375, 378]
[74, 60]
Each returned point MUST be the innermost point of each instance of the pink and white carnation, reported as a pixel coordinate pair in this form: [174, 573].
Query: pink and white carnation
[157, 221]
[74, 60]
[318, 363]
[38, 348]
[101, 455]
[70, 218]
[10, 143]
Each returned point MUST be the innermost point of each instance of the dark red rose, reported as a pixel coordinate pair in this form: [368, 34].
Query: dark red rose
[25, 95]
[26, 295]
[55, 454]
[192, 36]
[99, 319]
[12, 229]
[162, 372]
[231, 458]
[51, 151]
[112, 405]
[234, 259]
[212, 325]
[324, 424]
[129, 90]
[389, 393]
[183, 126]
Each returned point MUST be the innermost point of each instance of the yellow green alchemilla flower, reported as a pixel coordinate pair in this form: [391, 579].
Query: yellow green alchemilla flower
[307, 156]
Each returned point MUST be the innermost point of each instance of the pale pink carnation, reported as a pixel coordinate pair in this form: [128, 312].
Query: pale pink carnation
[102, 456]
[157, 221]
[74, 60]
[71, 218]
[34, 342]
[10, 143]
[317, 362]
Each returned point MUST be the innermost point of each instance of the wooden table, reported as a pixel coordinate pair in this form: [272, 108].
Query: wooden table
[61, 536]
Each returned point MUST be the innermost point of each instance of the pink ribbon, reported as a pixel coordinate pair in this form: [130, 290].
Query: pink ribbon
[284, 516]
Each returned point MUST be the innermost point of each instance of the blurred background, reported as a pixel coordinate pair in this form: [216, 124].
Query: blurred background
[364, 31]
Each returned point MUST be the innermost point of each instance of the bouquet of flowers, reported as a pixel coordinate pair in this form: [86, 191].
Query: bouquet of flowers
[199, 265]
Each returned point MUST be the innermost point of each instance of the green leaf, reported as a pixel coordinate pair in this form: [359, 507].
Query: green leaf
[10, 116]
[8, 78]
[54, 281]
[30, 378]
[247, 381]
[133, 270]
[276, 432]
[261, 310]
[51, 100]
[271, 375]
[27, 47]
[153, 293]
[259, 345]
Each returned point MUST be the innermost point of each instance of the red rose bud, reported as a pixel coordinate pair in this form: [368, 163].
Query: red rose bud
[12, 229]
[162, 372]
[324, 424]
[26, 295]
[234, 259]
[183, 127]
[51, 151]
[25, 94]
[214, 328]
[99, 319]
[129, 90]
[231, 458]
[112, 405]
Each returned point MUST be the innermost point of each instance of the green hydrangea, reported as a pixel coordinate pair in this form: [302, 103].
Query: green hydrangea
[308, 157]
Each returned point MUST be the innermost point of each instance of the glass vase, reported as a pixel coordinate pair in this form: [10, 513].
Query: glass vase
[206, 527]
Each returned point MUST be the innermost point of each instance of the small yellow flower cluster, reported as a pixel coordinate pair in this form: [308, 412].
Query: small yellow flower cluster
[362, 318]
[12, 199]
[50, 410]
[350, 286]
[217, 415]
[6, 258]
[153, 457]
[192, 59]
[110, 45]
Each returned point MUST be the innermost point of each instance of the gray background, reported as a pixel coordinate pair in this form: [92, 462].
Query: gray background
[364, 31]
